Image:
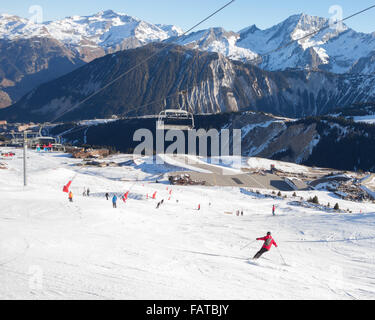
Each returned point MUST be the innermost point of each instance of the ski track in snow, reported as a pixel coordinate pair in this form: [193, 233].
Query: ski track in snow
[88, 250]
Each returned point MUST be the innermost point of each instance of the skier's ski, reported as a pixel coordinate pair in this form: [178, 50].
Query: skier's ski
[254, 262]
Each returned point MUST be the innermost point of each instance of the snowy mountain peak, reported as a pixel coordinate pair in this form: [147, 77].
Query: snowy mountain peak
[173, 31]
[304, 22]
[295, 26]
[105, 29]
[217, 40]
[337, 50]
[108, 13]
[334, 49]
[8, 16]
[250, 29]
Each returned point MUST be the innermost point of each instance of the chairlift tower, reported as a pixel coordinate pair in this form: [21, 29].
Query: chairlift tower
[25, 158]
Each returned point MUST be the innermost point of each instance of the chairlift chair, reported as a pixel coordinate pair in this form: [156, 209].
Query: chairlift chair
[175, 119]
[42, 140]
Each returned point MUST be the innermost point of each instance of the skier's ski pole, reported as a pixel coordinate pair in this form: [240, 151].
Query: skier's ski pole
[281, 255]
[248, 244]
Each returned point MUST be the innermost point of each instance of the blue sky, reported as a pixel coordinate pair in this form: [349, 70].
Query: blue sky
[185, 14]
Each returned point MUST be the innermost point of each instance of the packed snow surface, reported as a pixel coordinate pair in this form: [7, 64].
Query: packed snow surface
[265, 164]
[53, 249]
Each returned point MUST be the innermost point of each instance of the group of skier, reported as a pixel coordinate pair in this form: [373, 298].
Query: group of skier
[114, 199]
[46, 148]
[239, 213]
[268, 240]
[86, 192]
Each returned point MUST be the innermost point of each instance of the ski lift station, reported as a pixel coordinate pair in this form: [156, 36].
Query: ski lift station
[33, 139]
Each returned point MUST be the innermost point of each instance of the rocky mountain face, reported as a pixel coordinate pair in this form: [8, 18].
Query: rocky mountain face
[211, 83]
[34, 53]
[324, 141]
[25, 63]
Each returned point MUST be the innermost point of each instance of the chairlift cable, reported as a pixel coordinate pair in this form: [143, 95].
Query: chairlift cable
[142, 62]
[192, 87]
[257, 58]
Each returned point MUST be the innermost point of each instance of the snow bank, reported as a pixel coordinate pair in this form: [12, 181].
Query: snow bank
[265, 164]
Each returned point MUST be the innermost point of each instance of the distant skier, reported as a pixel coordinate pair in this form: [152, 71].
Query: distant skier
[88, 192]
[71, 196]
[199, 207]
[107, 195]
[268, 242]
[84, 192]
[273, 210]
[114, 201]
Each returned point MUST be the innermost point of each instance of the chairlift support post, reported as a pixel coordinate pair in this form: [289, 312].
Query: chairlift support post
[25, 158]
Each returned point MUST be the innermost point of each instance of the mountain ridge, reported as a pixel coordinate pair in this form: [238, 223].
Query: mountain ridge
[341, 50]
[81, 39]
[212, 82]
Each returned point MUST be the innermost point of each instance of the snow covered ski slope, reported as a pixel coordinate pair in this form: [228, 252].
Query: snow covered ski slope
[53, 249]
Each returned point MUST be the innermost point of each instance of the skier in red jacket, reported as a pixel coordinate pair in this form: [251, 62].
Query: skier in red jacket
[268, 242]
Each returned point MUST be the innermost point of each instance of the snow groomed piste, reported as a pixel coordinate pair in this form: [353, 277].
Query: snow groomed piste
[51, 248]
